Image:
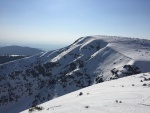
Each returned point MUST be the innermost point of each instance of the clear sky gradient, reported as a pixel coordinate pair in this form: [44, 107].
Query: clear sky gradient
[64, 21]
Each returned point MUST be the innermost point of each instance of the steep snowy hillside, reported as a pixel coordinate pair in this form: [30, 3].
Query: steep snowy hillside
[124, 95]
[18, 50]
[89, 60]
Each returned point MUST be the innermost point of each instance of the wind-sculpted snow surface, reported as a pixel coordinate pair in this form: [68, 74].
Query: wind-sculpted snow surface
[89, 60]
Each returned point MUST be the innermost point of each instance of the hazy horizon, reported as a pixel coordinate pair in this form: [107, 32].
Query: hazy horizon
[43, 46]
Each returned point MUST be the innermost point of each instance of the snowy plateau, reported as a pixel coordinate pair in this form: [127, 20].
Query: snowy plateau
[95, 74]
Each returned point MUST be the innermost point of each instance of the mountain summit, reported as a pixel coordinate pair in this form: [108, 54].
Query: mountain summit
[89, 60]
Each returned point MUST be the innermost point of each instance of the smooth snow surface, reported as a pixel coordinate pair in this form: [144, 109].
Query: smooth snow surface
[124, 95]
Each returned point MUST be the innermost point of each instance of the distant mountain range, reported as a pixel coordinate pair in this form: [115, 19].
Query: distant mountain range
[19, 50]
[90, 60]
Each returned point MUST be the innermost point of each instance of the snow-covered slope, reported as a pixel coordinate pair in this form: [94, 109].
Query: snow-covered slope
[125, 95]
[89, 60]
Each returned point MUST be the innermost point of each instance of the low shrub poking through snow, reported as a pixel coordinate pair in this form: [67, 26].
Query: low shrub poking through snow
[118, 101]
[80, 93]
[87, 106]
[144, 84]
[38, 108]
[141, 81]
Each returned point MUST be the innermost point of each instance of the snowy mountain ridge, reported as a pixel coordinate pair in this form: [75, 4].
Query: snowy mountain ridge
[89, 60]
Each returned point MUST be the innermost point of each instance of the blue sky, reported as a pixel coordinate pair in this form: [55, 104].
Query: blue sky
[64, 21]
